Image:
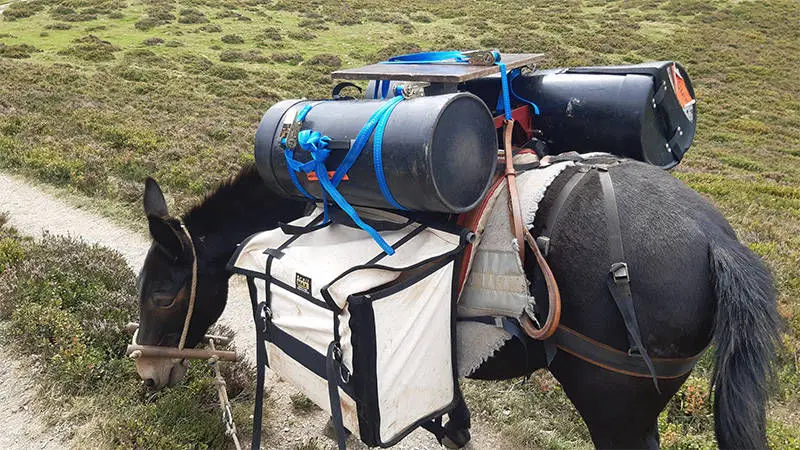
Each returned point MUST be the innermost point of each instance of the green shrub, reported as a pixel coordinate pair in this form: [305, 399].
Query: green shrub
[22, 9]
[239, 56]
[17, 51]
[211, 28]
[228, 72]
[91, 48]
[325, 59]
[58, 26]
[11, 253]
[70, 15]
[153, 41]
[302, 35]
[192, 16]
[232, 39]
[293, 58]
[273, 34]
[422, 17]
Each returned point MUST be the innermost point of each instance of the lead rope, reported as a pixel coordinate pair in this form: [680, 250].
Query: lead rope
[219, 381]
[224, 401]
[192, 291]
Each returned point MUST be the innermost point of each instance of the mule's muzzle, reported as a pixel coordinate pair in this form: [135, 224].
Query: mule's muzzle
[158, 373]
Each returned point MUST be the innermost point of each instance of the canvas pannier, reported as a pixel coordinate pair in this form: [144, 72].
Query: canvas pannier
[371, 334]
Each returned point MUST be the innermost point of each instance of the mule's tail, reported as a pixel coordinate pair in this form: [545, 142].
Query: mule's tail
[746, 336]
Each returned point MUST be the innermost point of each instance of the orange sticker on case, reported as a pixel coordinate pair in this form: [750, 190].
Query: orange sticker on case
[679, 86]
[312, 176]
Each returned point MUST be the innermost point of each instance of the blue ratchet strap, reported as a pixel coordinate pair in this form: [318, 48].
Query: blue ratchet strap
[377, 153]
[317, 145]
[511, 76]
[382, 87]
[385, 88]
[289, 154]
[428, 58]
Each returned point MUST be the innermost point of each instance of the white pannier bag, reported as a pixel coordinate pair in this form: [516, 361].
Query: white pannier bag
[340, 312]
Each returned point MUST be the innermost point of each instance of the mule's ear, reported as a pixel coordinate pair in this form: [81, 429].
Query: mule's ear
[166, 234]
[154, 203]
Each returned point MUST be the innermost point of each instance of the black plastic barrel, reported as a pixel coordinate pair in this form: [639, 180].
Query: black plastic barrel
[439, 152]
[633, 111]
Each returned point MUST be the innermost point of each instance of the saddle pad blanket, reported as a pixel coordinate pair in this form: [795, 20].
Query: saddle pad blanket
[496, 284]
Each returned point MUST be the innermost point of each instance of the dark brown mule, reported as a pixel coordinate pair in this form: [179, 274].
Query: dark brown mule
[691, 279]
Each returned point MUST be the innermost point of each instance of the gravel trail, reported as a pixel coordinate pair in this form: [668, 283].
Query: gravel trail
[34, 211]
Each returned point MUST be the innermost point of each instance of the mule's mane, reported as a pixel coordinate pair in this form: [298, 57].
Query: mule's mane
[241, 202]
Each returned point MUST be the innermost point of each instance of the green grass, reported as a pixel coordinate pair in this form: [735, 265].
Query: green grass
[66, 303]
[97, 94]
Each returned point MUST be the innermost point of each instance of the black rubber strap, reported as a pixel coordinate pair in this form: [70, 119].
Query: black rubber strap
[618, 281]
[333, 367]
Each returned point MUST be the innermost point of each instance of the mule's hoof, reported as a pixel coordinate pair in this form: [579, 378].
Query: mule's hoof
[456, 438]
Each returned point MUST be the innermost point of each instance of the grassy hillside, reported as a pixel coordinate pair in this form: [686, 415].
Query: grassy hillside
[97, 94]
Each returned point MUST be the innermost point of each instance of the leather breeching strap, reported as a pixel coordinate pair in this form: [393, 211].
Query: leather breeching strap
[636, 361]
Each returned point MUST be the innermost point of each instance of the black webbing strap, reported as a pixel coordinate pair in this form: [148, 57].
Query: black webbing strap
[333, 370]
[543, 240]
[261, 361]
[618, 282]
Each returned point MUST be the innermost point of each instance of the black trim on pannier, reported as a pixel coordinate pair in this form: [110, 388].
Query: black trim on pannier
[365, 356]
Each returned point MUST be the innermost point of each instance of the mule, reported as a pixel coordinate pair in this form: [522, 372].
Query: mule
[692, 280]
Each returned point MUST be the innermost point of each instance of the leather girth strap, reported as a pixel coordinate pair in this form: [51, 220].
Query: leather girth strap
[636, 361]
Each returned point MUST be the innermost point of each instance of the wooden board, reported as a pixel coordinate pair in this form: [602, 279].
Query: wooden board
[449, 73]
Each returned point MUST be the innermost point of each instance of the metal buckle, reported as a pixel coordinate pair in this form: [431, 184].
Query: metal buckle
[620, 273]
[480, 57]
[265, 314]
[414, 90]
[543, 242]
[290, 140]
[344, 374]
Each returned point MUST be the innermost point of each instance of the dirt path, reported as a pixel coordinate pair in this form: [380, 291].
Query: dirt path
[33, 211]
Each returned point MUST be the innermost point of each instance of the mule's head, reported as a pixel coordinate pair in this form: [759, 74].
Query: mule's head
[165, 284]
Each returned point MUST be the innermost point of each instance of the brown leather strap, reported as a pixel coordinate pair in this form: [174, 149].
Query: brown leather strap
[517, 227]
[625, 363]
[553, 297]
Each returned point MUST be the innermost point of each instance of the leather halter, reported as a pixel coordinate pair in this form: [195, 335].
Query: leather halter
[192, 291]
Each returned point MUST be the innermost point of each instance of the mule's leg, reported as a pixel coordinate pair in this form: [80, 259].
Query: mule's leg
[457, 433]
[620, 411]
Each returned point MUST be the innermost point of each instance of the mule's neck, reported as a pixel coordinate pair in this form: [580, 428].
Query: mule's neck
[237, 209]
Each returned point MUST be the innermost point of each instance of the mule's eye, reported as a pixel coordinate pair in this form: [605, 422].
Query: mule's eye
[164, 300]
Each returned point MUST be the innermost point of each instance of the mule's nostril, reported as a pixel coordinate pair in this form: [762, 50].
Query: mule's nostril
[149, 382]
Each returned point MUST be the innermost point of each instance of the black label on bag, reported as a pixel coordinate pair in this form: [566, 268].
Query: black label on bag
[302, 283]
